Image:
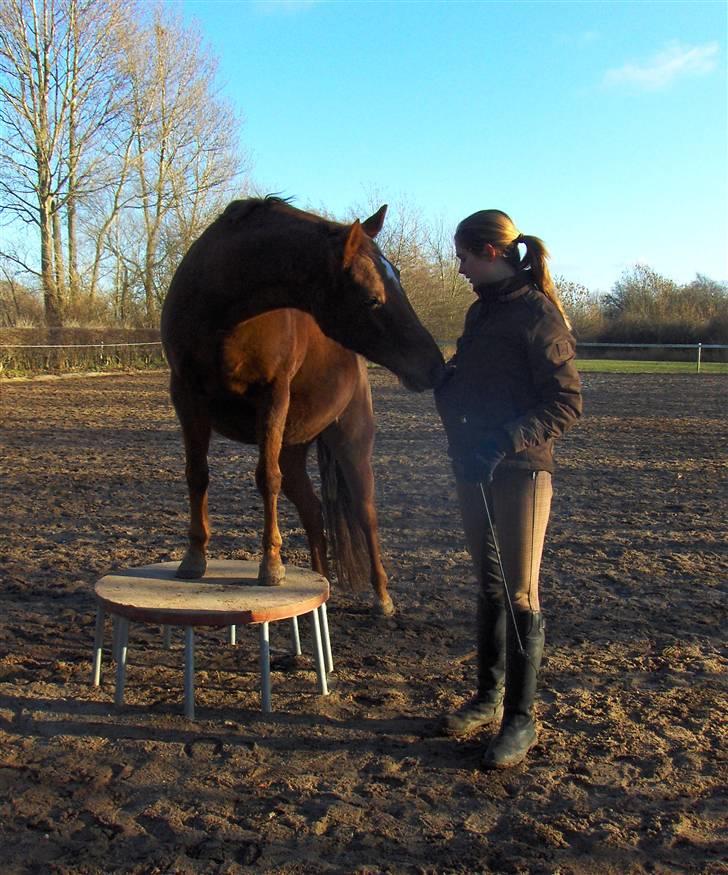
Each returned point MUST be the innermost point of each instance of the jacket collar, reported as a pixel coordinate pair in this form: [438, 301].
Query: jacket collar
[505, 290]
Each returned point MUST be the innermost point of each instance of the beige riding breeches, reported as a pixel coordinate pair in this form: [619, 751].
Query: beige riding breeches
[520, 503]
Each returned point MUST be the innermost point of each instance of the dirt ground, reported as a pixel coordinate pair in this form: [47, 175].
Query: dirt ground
[629, 775]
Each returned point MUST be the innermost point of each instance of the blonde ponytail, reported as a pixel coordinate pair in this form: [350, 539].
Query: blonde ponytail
[536, 258]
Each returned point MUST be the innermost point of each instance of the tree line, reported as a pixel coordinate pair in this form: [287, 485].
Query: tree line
[645, 307]
[116, 150]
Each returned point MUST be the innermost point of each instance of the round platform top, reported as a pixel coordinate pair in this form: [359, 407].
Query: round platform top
[227, 595]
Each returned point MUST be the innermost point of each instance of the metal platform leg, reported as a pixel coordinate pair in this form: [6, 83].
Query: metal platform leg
[122, 635]
[115, 638]
[264, 661]
[325, 636]
[265, 668]
[319, 654]
[232, 634]
[190, 672]
[295, 637]
[166, 637]
[98, 647]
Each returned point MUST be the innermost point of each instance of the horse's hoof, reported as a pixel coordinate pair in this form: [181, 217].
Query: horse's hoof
[272, 577]
[384, 608]
[192, 567]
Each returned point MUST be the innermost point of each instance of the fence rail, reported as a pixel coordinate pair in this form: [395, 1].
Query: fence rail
[54, 358]
[698, 347]
[60, 357]
[609, 348]
[101, 344]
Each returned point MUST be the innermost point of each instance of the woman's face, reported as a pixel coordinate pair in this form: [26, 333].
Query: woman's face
[478, 269]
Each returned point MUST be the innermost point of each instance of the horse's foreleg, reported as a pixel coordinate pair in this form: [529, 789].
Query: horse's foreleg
[270, 426]
[196, 430]
[297, 487]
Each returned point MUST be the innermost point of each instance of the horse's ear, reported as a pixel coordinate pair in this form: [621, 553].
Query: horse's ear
[354, 240]
[373, 225]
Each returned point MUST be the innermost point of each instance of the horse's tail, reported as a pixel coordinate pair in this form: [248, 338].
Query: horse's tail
[346, 538]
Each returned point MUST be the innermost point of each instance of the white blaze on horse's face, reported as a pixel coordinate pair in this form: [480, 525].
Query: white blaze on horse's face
[392, 275]
[389, 270]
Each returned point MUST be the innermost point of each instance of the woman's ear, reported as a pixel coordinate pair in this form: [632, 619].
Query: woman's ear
[490, 252]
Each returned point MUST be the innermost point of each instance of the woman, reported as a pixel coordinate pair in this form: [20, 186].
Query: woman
[510, 390]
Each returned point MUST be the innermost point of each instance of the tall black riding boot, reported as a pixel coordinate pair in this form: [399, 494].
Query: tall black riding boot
[487, 705]
[517, 734]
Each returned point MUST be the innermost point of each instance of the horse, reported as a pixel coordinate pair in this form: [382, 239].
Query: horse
[265, 326]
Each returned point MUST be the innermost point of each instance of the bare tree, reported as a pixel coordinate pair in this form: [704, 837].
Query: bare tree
[18, 305]
[58, 98]
[185, 151]
[31, 120]
[400, 238]
[97, 94]
[108, 116]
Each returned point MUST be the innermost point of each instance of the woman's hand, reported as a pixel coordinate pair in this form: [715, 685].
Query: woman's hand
[443, 376]
[480, 466]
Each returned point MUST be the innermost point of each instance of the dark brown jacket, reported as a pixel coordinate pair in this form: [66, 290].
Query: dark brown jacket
[513, 370]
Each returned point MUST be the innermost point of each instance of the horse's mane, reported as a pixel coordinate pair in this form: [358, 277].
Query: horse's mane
[238, 210]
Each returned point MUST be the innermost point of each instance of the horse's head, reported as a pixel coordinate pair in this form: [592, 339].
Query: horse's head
[368, 310]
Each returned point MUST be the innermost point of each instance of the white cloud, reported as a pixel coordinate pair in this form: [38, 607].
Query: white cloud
[673, 62]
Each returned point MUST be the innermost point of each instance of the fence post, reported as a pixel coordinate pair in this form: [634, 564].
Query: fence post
[700, 350]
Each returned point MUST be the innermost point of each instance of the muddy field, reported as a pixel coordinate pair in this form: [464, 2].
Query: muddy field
[629, 774]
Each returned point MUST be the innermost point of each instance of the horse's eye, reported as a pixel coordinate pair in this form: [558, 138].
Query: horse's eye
[372, 303]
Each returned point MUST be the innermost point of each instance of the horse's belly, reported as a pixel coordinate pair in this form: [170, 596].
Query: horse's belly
[302, 426]
[308, 415]
[234, 420]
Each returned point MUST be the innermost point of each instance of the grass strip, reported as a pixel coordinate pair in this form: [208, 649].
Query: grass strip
[626, 366]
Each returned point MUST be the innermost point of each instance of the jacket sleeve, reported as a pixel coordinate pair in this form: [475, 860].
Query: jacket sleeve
[551, 353]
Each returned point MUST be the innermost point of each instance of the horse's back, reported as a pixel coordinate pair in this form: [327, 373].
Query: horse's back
[240, 266]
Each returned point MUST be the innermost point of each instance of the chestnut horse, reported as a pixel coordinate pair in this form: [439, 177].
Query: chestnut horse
[262, 326]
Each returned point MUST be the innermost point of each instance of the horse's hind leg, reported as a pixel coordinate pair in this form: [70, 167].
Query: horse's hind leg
[270, 425]
[351, 439]
[297, 487]
[196, 431]
[360, 479]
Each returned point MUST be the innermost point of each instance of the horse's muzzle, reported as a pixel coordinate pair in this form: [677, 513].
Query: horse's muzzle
[420, 382]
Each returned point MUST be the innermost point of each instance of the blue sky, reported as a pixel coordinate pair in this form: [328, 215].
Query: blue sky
[598, 126]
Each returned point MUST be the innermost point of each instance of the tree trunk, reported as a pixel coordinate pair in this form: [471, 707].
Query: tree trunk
[73, 281]
[51, 302]
[73, 158]
[149, 283]
[59, 268]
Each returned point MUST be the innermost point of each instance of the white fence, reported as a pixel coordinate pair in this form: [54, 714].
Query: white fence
[698, 347]
[59, 357]
[46, 357]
